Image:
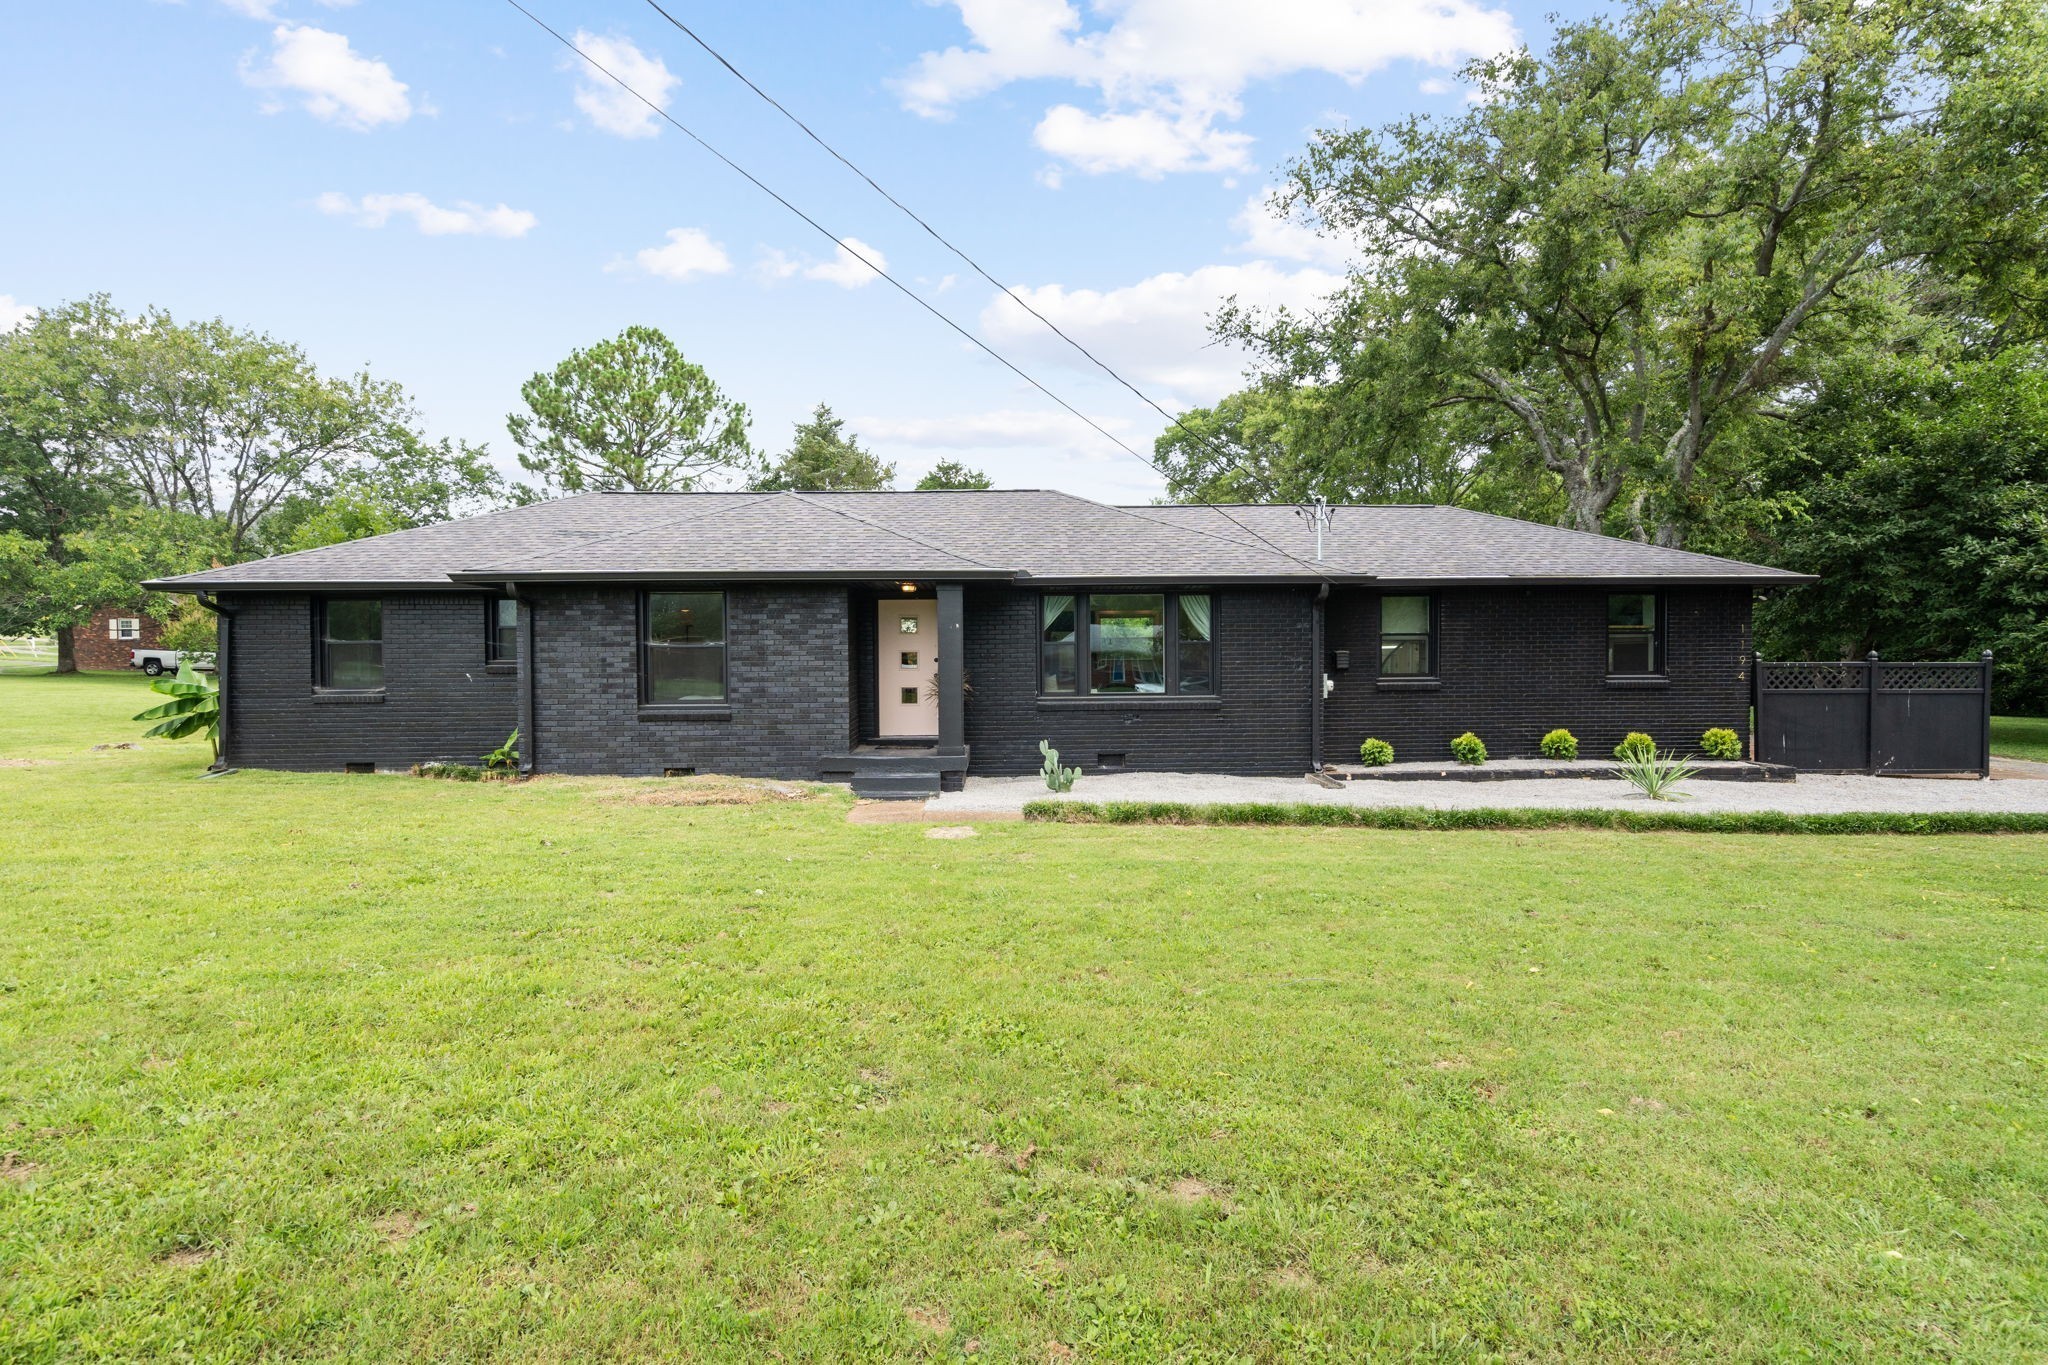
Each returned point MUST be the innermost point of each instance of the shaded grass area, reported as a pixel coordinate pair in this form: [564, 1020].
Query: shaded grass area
[2020, 737]
[375, 1067]
[1532, 818]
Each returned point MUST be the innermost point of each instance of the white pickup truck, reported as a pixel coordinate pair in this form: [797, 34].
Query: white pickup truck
[156, 662]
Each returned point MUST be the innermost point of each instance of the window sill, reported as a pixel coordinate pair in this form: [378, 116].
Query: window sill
[330, 696]
[504, 669]
[1408, 684]
[706, 712]
[1641, 680]
[1141, 703]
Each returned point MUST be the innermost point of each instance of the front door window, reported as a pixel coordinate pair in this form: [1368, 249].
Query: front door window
[907, 661]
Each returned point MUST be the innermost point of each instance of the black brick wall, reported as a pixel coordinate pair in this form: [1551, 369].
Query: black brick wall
[439, 703]
[1515, 663]
[1259, 724]
[786, 681]
[1512, 662]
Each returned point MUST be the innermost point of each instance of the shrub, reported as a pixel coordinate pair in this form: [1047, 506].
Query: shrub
[1376, 753]
[193, 708]
[503, 761]
[1654, 774]
[449, 772]
[1634, 819]
[1721, 743]
[1561, 744]
[1635, 744]
[1056, 778]
[1469, 749]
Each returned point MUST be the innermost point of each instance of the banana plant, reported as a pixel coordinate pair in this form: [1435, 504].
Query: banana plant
[194, 706]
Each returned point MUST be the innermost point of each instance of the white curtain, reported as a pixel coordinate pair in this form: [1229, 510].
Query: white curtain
[1194, 610]
[1053, 608]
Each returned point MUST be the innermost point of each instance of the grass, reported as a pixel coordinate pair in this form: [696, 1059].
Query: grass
[373, 1067]
[2020, 737]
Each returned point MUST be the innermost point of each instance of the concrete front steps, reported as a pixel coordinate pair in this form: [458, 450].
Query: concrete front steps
[896, 772]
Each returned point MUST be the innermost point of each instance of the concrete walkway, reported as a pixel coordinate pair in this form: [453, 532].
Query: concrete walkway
[1807, 796]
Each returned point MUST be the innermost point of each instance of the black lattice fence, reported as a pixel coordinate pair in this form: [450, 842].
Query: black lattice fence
[1866, 715]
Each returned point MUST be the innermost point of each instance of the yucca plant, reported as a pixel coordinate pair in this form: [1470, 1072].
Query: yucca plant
[1654, 774]
[194, 707]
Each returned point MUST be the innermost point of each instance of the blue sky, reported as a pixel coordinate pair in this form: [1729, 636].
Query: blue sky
[431, 190]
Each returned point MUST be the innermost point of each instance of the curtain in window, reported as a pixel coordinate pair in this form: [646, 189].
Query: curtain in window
[1059, 650]
[1197, 656]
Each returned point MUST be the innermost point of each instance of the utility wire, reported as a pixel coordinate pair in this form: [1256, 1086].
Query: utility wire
[826, 232]
[942, 240]
[895, 283]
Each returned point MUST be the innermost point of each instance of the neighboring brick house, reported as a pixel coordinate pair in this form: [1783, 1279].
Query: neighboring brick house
[901, 640]
[101, 645]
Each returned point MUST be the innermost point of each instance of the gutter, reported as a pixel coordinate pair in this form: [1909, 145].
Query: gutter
[529, 740]
[224, 642]
[1316, 678]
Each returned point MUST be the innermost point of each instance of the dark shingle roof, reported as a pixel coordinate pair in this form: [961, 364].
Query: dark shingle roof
[1426, 543]
[1040, 535]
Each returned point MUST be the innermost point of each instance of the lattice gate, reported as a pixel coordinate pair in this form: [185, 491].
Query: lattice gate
[1871, 716]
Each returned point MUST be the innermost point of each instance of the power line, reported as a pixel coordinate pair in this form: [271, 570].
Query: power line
[942, 240]
[894, 283]
[827, 233]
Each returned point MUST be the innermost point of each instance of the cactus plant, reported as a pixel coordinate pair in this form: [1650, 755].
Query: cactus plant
[1056, 778]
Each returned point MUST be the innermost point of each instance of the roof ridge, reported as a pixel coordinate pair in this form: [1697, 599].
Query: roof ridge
[746, 498]
[805, 499]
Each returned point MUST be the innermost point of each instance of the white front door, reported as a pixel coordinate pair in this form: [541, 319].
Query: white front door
[907, 668]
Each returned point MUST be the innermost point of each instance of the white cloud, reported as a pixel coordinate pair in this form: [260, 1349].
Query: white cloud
[1146, 142]
[1274, 237]
[1002, 429]
[845, 269]
[461, 219]
[13, 314]
[1436, 85]
[331, 80]
[267, 9]
[610, 108]
[1157, 330]
[688, 253]
[1169, 71]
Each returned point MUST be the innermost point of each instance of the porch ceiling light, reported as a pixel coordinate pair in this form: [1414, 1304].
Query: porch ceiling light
[909, 587]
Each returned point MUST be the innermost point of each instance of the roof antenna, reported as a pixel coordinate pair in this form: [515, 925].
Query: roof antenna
[1316, 512]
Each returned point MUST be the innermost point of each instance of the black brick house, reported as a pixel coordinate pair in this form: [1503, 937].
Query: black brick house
[893, 638]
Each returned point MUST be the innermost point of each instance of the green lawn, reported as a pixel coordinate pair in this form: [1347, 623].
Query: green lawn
[2020, 737]
[374, 1068]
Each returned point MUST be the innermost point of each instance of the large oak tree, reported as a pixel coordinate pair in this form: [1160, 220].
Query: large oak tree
[1639, 244]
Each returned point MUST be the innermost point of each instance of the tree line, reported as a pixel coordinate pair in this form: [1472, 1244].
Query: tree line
[139, 446]
[1769, 282]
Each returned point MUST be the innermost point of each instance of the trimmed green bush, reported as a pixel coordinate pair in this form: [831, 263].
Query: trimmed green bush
[1469, 749]
[1721, 743]
[1635, 744]
[1628, 821]
[1375, 753]
[1560, 744]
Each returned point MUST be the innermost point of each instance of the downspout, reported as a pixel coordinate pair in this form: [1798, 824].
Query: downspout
[529, 741]
[1318, 679]
[224, 628]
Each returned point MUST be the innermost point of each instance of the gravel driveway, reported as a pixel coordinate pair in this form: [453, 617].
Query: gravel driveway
[1810, 795]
